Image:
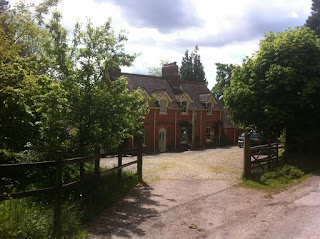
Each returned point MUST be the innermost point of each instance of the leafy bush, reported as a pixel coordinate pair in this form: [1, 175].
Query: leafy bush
[283, 176]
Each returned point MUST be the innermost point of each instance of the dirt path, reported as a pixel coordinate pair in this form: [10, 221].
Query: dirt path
[212, 209]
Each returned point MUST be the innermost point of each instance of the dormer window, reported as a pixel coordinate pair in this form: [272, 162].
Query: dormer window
[163, 106]
[209, 108]
[184, 105]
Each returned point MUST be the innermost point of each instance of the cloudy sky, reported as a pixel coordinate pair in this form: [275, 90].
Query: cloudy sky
[225, 30]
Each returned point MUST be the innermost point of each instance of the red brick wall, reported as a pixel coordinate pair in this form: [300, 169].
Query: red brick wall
[167, 121]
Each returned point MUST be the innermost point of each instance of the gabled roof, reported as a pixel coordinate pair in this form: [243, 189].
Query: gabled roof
[159, 85]
[181, 97]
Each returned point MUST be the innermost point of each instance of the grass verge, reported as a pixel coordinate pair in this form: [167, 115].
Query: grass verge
[301, 168]
[33, 217]
[277, 178]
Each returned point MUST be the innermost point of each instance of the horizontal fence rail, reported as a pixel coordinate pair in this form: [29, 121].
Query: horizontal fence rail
[9, 171]
[260, 156]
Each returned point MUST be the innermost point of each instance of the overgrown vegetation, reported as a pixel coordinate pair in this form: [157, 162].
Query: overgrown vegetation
[59, 91]
[300, 168]
[33, 217]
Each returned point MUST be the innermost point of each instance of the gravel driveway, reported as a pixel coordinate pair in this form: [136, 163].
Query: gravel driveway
[182, 198]
[221, 163]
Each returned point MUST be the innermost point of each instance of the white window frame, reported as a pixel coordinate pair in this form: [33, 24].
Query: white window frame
[163, 106]
[209, 109]
[184, 105]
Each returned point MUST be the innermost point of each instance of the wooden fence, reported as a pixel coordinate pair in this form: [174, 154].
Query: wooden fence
[59, 187]
[262, 156]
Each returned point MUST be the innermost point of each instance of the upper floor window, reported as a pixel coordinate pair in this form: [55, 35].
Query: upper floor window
[163, 106]
[184, 105]
[209, 108]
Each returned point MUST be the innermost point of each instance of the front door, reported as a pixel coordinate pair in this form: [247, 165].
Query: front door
[162, 140]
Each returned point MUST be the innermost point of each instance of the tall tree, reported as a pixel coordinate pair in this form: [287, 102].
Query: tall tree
[313, 21]
[223, 78]
[186, 69]
[191, 67]
[278, 89]
[59, 95]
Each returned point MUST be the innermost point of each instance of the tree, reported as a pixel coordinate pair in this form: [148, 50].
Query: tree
[313, 21]
[191, 67]
[223, 78]
[278, 88]
[57, 95]
[157, 71]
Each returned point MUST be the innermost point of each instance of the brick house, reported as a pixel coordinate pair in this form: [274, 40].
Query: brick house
[181, 114]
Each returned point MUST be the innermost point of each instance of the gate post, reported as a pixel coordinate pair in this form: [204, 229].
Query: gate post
[247, 156]
[139, 157]
[97, 165]
[120, 151]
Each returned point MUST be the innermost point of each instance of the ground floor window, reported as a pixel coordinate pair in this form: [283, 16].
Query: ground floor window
[184, 135]
[143, 136]
[209, 134]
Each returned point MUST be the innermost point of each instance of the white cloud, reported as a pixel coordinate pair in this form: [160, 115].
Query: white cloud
[226, 31]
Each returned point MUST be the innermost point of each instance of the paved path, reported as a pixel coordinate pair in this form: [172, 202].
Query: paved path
[212, 209]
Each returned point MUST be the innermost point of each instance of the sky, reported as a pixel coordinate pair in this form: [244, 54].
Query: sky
[226, 31]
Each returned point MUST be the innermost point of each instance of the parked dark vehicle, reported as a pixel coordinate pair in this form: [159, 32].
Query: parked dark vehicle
[255, 139]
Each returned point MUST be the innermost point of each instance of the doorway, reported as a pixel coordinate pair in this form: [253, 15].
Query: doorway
[162, 139]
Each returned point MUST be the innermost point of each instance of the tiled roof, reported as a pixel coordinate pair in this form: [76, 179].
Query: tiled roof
[153, 84]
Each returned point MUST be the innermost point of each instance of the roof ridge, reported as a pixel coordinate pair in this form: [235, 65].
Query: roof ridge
[158, 77]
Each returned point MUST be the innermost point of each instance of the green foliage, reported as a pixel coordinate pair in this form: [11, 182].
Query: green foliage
[223, 78]
[109, 192]
[22, 218]
[191, 67]
[60, 96]
[277, 178]
[279, 86]
[313, 21]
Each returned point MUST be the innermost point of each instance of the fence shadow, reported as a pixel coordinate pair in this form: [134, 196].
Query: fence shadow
[124, 218]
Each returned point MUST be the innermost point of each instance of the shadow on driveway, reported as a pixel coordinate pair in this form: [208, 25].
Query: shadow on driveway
[123, 219]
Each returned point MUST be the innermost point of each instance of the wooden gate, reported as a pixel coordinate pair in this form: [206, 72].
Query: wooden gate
[260, 157]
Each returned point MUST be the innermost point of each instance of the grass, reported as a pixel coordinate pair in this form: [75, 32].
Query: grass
[33, 217]
[301, 168]
[24, 218]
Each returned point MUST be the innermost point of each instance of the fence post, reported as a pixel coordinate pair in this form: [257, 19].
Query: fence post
[57, 222]
[269, 154]
[277, 152]
[139, 157]
[97, 165]
[120, 149]
[247, 156]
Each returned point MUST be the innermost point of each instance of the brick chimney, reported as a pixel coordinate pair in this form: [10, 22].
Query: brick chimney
[170, 71]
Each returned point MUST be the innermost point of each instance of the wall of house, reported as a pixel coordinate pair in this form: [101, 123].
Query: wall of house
[173, 122]
[231, 135]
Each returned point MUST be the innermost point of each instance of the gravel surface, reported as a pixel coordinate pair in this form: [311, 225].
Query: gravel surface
[181, 198]
[220, 163]
[212, 209]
